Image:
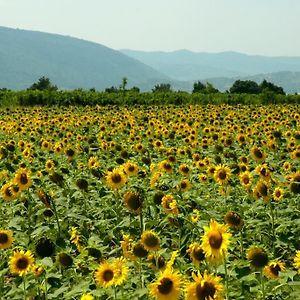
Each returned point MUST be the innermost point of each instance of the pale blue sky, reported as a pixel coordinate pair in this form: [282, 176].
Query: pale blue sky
[269, 27]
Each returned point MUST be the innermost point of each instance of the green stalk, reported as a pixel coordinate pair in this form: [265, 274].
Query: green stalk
[262, 282]
[226, 279]
[24, 287]
[56, 217]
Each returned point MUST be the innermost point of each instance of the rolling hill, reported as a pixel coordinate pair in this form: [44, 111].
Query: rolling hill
[69, 62]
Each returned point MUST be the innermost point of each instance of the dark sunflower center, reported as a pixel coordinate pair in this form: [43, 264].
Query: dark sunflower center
[234, 219]
[23, 179]
[258, 153]
[185, 170]
[70, 152]
[206, 291]
[263, 190]
[134, 202]
[278, 194]
[8, 192]
[275, 270]
[167, 167]
[165, 286]
[116, 178]
[139, 251]
[108, 275]
[198, 254]
[222, 175]
[3, 238]
[259, 259]
[246, 180]
[183, 185]
[131, 169]
[22, 263]
[151, 241]
[215, 240]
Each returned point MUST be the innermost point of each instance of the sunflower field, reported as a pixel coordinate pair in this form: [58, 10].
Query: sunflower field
[150, 202]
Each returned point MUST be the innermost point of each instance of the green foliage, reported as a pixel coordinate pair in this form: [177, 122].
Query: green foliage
[245, 86]
[207, 88]
[43, 84]
[162, 88]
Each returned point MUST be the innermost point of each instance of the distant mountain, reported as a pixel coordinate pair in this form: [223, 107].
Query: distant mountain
[70, 63]
[187, 65]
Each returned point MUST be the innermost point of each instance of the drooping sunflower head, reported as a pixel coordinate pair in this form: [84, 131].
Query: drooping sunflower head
[196, 253]
[215, 242]
[64, 259]
[82, 184]
[105, 274]
[156, 262]
[206, 287]
[234, 220]
[222, 174]
[169, 204]
[133, 201]
[150, 240]
[295, 183]
[167, 286]
[138, 250]
[257, 257]
[262, 190]
[21, 262]
[273, 268]
[44, 247]
[6, 239]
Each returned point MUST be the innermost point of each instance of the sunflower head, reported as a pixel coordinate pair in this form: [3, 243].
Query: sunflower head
[297, 261]
[105, 274]
[21, 262]
[133, 202]
[64, 259]
[196, 253]
[257, 257]
[150, 240]
[6, 239]
[215, 242]
[139, 250]
[206, 287]
[167, 286]
[222, 174]
[116, 179]
[273, 268]
[234, 220]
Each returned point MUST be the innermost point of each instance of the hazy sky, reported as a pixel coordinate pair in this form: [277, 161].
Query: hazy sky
[270, 27]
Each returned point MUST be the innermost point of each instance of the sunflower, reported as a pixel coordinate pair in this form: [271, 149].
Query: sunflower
[167, 286]
[278, 194]
[121, 270]
[138, 250]
[116, 179]
[169, 204]
[22, 179]
[258, 257]
[150, 240]
[133, 201]
[75, 238]
[130, 168]
[196, 253]
[165, 166]
[49, 165]
[87, 296]
[295, 183]
[6, 239]
[184, 169]
[93, 162]
[195, 216]
[184, 185]
[245, 179]
[105, 275]
[21, 262]
[206, 287]
[262, 190]
[215, 241]
[234, 220]
[156, 262]
[126, 245]
[10, 191]
[297, 261]
[64, 259]
[263, 171]
[257, 154]
[273, 268]
[222, 174]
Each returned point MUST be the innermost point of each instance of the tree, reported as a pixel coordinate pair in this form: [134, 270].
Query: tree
[245, 86]
[162, 87]
[271, 87]
[207, 88]
[199, 87]
[124, 83]
[43, 84]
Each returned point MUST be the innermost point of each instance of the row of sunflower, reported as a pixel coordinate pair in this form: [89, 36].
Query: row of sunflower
[195, 202]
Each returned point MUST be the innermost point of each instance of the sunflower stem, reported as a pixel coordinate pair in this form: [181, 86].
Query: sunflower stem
[262, 285]
[141, 222]
[115, 292]
[46, 287]
[56, 217]
[272, 226]
[140, 273]
[226, 279]
[242, 243]
[24, 287]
